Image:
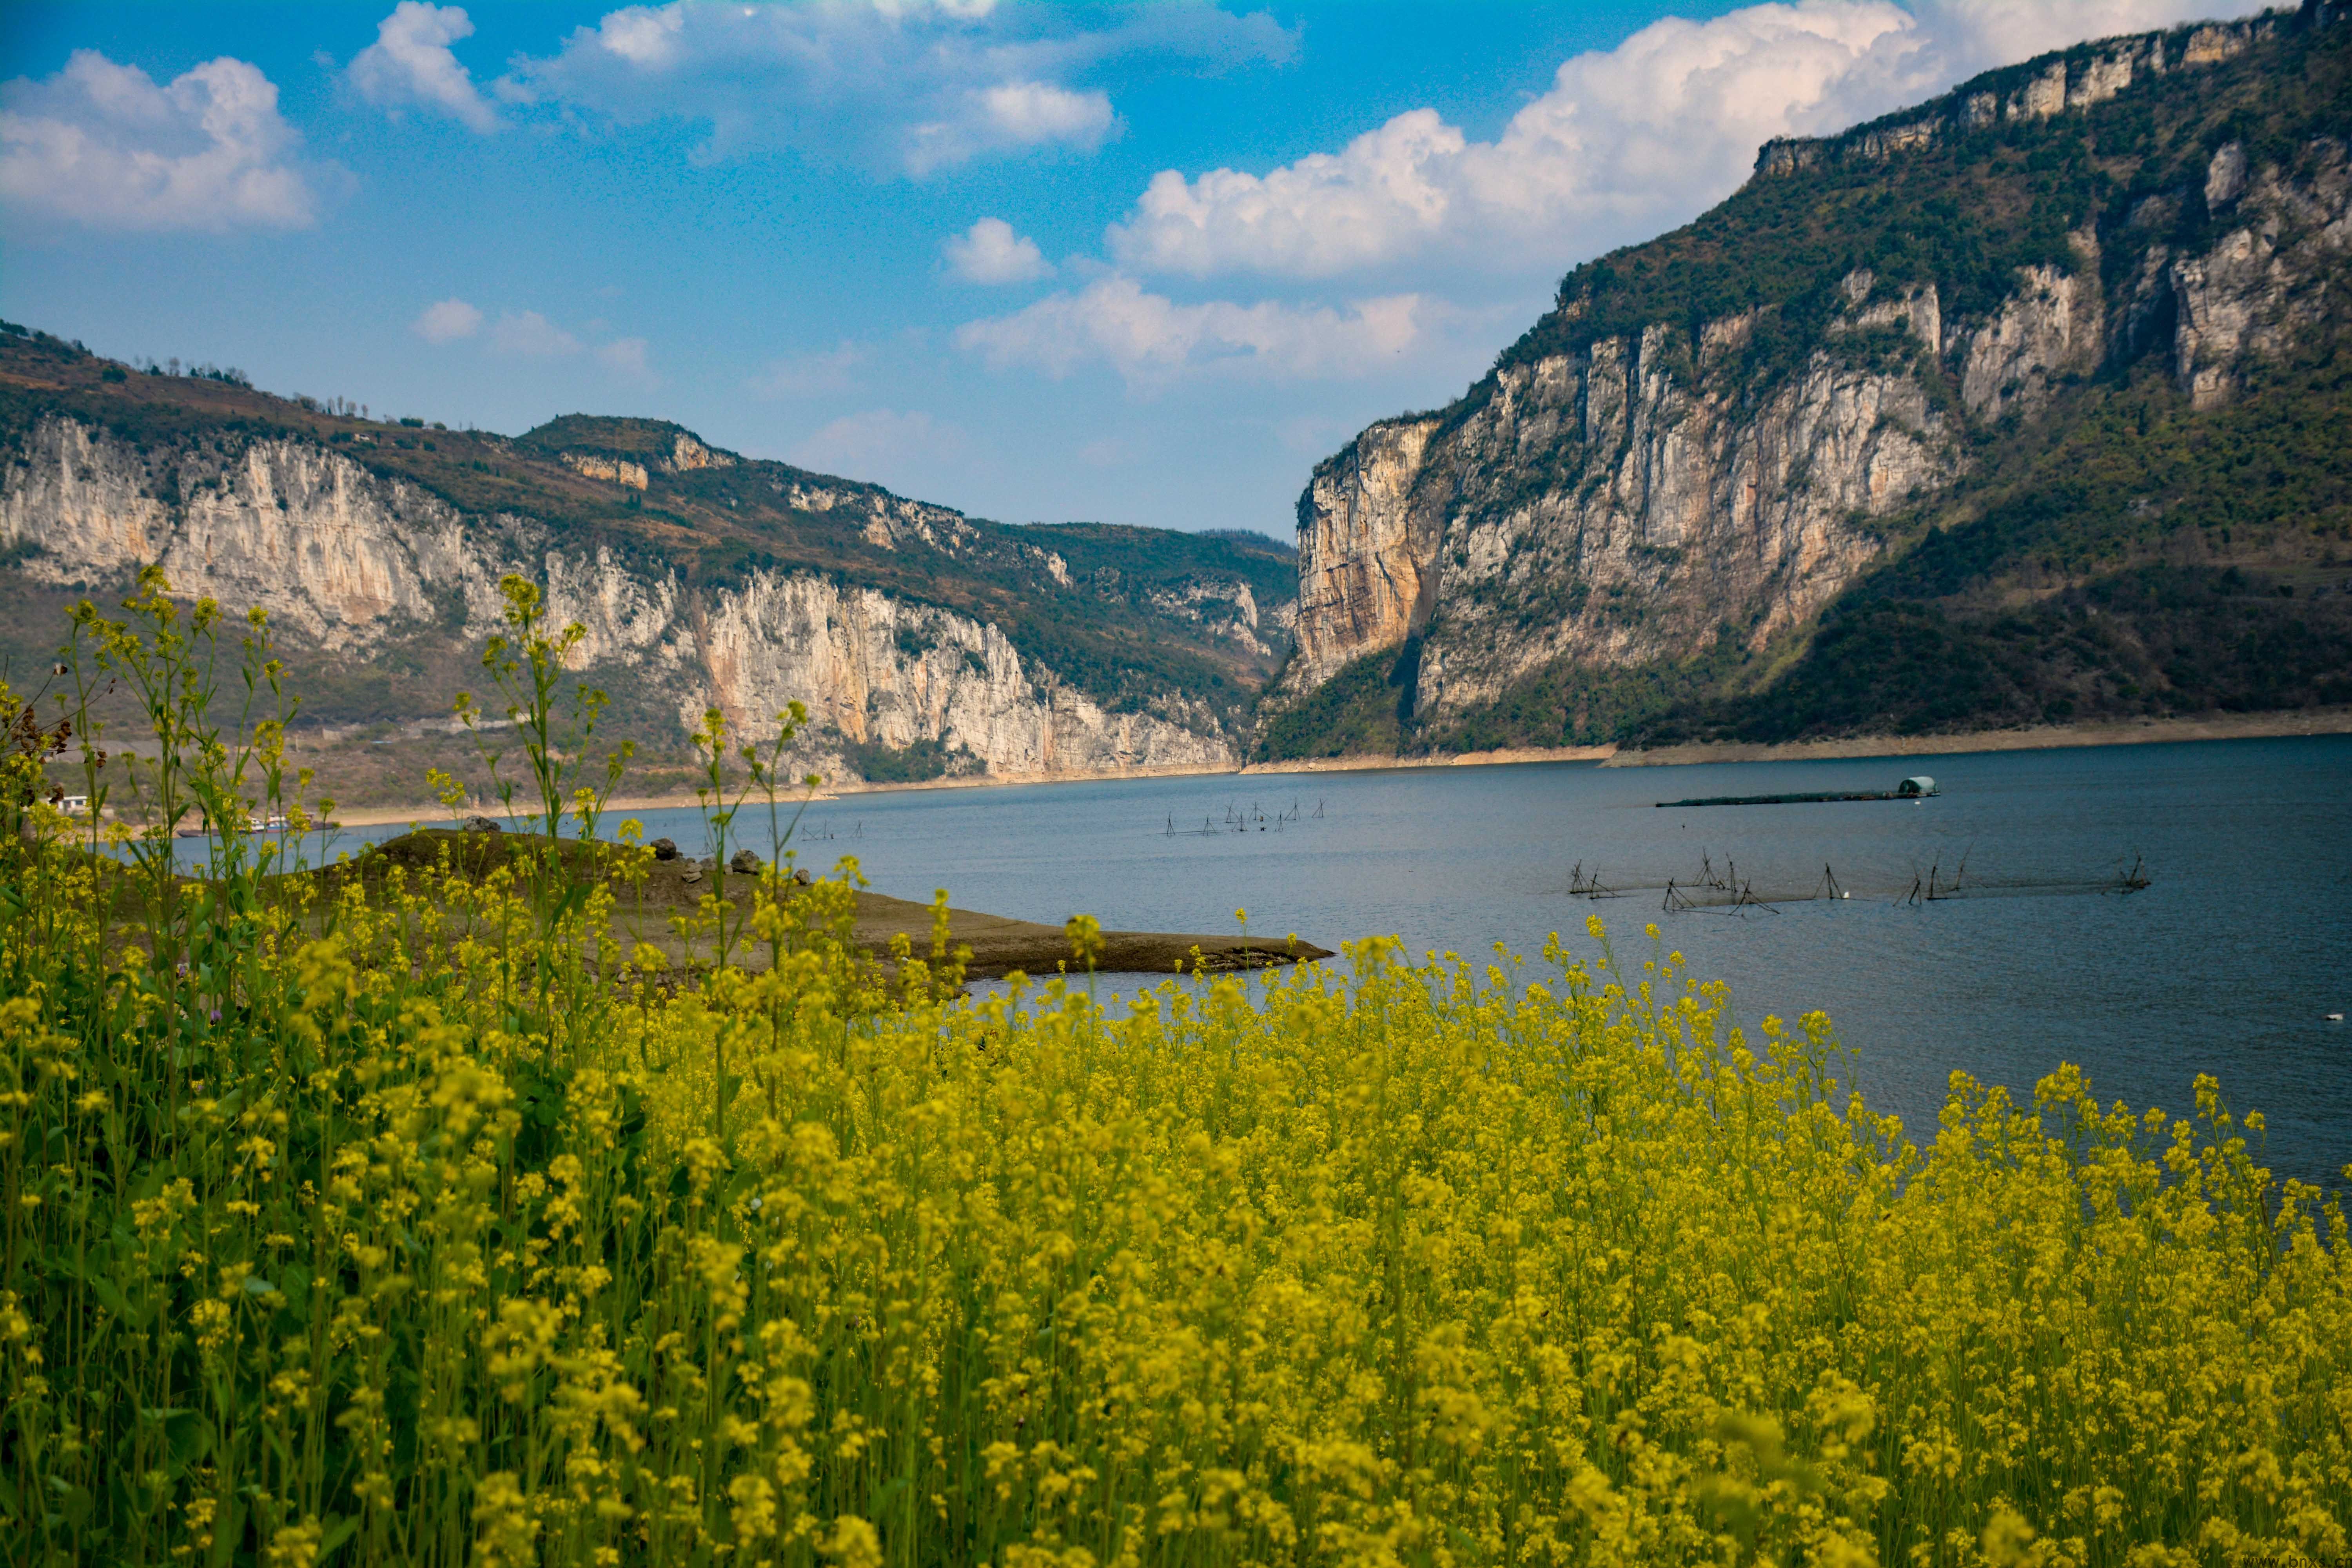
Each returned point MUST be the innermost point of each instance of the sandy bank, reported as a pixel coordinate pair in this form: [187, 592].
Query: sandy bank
[1455, 760]
[624, 807]
[2044, 737]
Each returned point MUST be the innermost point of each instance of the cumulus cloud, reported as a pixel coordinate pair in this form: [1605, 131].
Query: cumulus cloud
[905, 85]
[411, 63]
[528, 332]
[807, 375]
[447, 321]
[880, 443]
[1962, 37]
[101, 144]
[1033, 111]
[991, 252]
[1149, 337]
[1011, 115]
[1625, 141]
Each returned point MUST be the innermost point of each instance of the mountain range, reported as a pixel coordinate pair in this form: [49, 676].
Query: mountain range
[2024, 406]
[925, 643]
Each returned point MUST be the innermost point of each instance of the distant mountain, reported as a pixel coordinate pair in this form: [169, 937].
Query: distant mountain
[924, 641]
[2032, 404]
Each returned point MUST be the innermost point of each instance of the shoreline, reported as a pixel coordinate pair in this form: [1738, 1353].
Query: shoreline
[437, 815]
[2037, 738]
[2045, 737]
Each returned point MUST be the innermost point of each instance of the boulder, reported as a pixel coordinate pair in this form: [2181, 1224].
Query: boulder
[665, 850]
[745, 862]
[482, 824]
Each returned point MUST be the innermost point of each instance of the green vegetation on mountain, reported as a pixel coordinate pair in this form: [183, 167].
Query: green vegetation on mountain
[1133, 618]
[2130, 558]
[2105, 548]
[1362, 710]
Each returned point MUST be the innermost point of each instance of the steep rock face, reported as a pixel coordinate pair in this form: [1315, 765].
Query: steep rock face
[1618, 509]
[2043, 329]
[356, 564]
[325, 547]
[2267, 279]
[1660, 491]
[1226, 609]
[1364, 548]
[891, 674]
[1675, 511]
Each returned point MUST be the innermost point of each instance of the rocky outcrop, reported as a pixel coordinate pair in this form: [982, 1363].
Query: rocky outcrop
[357, 564]
[1222, 608]
[596, 466]
[1618, 508]
[1366, 539]
[2267, 279]
[687, 453]
[2076, 81]
[890, 520]
[2044, 329]
[882, 673]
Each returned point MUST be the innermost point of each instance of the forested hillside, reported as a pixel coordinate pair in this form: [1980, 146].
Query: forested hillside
[2025, 406]
[925, 641]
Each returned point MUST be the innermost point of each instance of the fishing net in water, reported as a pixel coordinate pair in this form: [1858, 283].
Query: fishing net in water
[1725, 889]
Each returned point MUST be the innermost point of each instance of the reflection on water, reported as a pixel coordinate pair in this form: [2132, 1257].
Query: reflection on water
[2226, 962]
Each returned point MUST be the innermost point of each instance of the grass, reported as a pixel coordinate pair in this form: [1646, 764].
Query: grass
[337, 1234]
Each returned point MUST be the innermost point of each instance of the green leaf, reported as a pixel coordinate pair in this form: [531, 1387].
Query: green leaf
[338, 1530]
[294, 1282]
[110, 1297]
[190, 1437]
[228, 1531]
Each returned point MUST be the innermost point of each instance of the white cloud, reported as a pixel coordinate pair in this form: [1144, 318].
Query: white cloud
[881, 442]
[1149, 337]
[528, 332]
[100, 143]
[1010, 115]
[1033, 111]
[991, 252]
[1965, 37]
[447, 321]
[1625, 143]
[805, 376]
[411, 63]
[901, 85]
[626, 357]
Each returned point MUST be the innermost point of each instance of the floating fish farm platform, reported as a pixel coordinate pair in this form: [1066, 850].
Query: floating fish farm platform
[1918, 788]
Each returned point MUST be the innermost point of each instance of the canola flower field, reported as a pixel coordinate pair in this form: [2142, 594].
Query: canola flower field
[397, 1215]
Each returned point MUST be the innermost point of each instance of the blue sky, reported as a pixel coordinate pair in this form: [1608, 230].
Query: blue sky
[1129, 263]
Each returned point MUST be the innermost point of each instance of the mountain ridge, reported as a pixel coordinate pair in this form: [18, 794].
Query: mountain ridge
[926, 642]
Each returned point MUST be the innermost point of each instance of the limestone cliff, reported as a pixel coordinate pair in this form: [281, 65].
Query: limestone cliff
[1713, 436]
[362, 566]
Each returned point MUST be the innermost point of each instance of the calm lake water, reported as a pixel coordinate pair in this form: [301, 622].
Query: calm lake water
[2226, 964]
